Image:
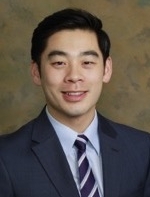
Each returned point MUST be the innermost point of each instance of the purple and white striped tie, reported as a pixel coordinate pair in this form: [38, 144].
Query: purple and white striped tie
[88, 185]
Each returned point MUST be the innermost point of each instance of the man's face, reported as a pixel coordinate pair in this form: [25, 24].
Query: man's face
[72, 73]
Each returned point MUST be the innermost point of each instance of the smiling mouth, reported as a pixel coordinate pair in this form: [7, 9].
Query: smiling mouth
[74, 93]
[72, 96]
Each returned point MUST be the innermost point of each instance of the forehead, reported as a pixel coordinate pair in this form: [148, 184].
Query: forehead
[73, 41]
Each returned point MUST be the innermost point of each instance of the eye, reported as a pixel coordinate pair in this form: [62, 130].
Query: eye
[58, 64]
[88, 64]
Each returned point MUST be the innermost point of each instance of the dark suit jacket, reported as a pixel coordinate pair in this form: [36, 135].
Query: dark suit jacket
[33, 164]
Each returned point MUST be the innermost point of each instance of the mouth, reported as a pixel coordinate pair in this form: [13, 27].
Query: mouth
[74, 93]
[74, 96]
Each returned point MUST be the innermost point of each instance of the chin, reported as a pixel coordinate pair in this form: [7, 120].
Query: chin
[78, 112]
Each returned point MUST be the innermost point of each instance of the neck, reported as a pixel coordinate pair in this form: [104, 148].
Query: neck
[77, 123]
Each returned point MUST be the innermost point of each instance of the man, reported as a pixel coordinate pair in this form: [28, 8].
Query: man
[45, 158]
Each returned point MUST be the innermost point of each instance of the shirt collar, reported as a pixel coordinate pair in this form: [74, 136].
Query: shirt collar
[67, 136]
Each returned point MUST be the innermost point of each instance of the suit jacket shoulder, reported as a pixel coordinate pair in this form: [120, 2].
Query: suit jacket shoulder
[32, 163]
[125, 158]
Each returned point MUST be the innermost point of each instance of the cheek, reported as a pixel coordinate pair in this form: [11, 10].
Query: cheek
[96, 78]
[51, 78]
[96, 83]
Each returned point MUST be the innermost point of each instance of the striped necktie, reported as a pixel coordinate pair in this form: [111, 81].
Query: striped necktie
[88, 185]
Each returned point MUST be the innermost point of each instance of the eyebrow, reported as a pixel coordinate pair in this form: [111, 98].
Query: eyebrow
[90, 52]
[62, 53]
[57, 52]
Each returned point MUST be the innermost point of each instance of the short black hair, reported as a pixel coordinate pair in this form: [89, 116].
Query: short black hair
[69, 18]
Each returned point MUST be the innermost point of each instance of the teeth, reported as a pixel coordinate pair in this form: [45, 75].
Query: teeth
[74, 93]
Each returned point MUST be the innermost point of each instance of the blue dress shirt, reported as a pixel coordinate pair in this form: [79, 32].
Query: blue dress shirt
[67, 137]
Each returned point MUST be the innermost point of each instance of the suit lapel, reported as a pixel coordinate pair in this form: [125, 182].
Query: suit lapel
[51, 156]
[111, 158]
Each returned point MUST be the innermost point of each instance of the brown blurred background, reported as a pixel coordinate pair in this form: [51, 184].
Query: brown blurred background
[126, 99]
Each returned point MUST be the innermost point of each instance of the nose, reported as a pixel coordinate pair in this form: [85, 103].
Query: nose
[74, 74]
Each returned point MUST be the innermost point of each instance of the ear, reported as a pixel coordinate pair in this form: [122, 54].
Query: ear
[107, 70]
[35, 73]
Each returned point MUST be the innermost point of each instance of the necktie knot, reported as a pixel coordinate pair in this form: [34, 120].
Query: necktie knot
[80, 142]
